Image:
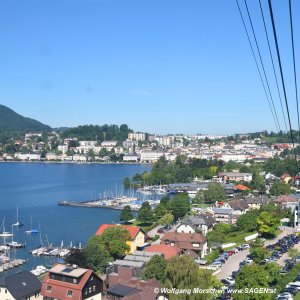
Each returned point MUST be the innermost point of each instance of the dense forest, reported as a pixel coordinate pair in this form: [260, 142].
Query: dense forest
[11, 121]
[99, 133]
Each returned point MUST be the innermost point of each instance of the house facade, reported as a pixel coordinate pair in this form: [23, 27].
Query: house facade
[66, 282]
[186, 241]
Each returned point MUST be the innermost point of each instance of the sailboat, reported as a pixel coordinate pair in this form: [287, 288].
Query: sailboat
[14, 244]
[32, 230]
[4, 233]
[18, 223]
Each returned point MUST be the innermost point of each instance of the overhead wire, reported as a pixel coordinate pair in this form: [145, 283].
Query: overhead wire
[262, 64]
[256, 63]
[282, 78]
[273, 66]
[294, 65]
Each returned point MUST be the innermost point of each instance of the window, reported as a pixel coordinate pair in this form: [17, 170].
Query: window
[94, 288]
[49, 287]
[69, 293]
[74, 280]
[90, 289]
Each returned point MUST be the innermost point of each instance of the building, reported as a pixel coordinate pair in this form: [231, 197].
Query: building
[137, 235]
[223, 215]
[136, 136]
[71, 282]
[167, 251]
[28, 156]
[234, 176]
[151, 156]
[191, 224]
[88, 143]
[130, 157]
[19, 286]
[63, 148]
[257, 202]
[239, 206]
[186, 241]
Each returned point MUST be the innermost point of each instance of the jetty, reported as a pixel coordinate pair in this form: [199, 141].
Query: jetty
[113, 203]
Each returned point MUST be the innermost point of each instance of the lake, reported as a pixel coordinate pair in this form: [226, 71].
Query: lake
[37, 187]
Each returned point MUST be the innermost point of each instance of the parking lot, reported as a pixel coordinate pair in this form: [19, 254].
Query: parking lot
[233, 262]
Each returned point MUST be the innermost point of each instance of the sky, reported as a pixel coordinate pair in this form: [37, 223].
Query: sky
[168, 66]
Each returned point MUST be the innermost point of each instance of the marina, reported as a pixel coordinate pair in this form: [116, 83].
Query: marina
[36, 188]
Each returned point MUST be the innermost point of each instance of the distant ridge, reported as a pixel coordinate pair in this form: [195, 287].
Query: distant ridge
[10, 120]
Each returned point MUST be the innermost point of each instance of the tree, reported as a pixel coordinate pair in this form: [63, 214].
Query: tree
[216, 237]
[97, 257]
[179, 206]
[167, 219]
[258, 251]
[215, 192]
[145, 213]
[258, 183]
[159, 211]
[248, 221]
[252, 276]
[114, 241]
[126, 214]
[268, 223]
[280, 188]
[183, 273]
[155, 268]
[77, 257]
[126, 182]
[274, 273]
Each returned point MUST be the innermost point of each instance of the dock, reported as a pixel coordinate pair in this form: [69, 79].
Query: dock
[116, 203]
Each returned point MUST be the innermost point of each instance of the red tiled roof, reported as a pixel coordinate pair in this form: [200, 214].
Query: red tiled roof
[133, 230]
[285, 198]
[167, 250]
[241, 187]
[59, 288]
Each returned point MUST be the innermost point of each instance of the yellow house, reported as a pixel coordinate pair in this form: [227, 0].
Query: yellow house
[136, 233]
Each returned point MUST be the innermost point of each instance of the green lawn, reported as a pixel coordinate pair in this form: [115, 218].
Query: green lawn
[297, 297]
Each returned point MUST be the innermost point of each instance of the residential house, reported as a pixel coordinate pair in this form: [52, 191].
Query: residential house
[239, 206]
[256, 202]
[137, 235]
[167, 251]
[223, 215]
[286, 178]
[71, 282]
[151, 156]
[125, 287]
[19, 286]
[234, 176]
[186, 241]
[191, 224]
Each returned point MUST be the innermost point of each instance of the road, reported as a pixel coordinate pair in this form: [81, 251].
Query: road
[233, 262]
[154, 232]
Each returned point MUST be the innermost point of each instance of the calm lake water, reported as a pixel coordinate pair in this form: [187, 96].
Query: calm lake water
[36, 188]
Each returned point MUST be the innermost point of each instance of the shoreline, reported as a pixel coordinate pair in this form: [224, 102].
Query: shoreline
[77, 163]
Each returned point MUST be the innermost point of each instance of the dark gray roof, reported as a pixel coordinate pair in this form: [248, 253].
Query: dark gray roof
[238, 204]
[198, 220]
[21, 285]
[257, 200]
[122, 290]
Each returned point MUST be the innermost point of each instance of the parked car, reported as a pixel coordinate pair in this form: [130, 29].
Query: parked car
[217, 264]
[160, 230]
[231, 280]
[230, 252]
[286, 295]
[245, 246]
[291, 290]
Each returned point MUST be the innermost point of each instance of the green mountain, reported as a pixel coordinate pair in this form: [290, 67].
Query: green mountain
[10, 120]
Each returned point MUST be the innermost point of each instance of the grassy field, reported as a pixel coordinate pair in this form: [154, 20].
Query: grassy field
[297, 297]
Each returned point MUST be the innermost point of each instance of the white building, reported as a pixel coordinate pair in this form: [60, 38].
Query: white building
[28, 156]
[88, 143]
[63, 148]
[130, 157]
[151, 156]
[136, 136]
